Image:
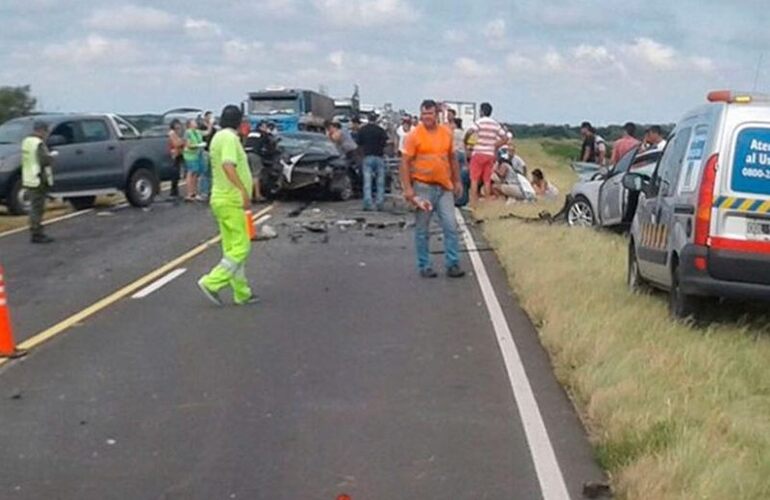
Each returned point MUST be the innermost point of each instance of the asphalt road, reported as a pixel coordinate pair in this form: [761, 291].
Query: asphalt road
[352, 376]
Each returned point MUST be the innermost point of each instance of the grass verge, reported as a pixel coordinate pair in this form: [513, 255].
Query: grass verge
[673, 412]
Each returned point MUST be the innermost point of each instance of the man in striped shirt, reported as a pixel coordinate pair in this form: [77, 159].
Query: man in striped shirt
[491, 136]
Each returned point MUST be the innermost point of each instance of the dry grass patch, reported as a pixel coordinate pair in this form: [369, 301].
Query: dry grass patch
[674, 412]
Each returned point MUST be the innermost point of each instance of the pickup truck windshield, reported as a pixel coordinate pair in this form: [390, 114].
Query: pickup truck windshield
[287, 106]
[13, 132]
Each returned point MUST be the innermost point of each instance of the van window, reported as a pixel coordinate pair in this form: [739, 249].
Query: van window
[94, 131]
[751, 164]
[671, 163]
[694, 158]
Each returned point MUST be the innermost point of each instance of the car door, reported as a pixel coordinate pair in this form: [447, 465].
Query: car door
[658, 216]
[69, 158]
[103, 168]
[611, 195]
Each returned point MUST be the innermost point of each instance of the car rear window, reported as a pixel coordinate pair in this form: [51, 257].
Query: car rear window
[751, 163]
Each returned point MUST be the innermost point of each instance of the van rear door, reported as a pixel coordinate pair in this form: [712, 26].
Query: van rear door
[741, 226]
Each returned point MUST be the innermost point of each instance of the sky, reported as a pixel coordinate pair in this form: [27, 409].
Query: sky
[536, 61]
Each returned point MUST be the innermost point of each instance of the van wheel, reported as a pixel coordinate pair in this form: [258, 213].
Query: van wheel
[681, 305]
[580, 213]
[18, 198]
[636, 283]
[142, 188]
[82, 202]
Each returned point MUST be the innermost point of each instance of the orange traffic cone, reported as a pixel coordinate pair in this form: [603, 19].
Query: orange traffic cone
[7, 345]
[250, 225]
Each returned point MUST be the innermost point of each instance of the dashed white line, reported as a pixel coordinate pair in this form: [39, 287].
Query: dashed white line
[549, 474]
[157, 285]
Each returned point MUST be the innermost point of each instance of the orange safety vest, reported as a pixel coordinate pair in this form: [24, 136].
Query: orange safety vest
[430, 152]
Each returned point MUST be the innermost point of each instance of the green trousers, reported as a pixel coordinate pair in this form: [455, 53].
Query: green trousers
[37, 209]
[236, 246]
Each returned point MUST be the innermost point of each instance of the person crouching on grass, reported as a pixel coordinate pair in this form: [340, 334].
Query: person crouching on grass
[430, 176]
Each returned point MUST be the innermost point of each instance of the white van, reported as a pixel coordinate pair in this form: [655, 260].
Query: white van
[702, 228]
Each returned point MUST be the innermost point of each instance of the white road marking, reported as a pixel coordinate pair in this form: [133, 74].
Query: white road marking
[157, 285]
[262, 220]
[547, 467]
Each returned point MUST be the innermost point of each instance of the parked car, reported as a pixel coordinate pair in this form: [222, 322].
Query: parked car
[602, 200]
[308, 161]
[702, 228]
[97, 154]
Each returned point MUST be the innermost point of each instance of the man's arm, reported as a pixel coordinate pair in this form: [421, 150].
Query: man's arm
[457, 182]
[44, 158]
[601, 153]
[232, 176]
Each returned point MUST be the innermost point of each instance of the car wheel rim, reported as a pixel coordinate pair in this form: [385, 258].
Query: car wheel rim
[144, 189]
[633, 276]
[23, 198]
[580, 214]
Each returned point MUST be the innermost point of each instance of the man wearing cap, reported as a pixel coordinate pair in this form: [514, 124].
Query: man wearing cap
[230, 196]
[37, 178]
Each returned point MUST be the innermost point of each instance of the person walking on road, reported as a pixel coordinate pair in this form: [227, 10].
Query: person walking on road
[402, 131]
[625, 143]
[193, 158]
[491, 137]
[430, 177]
[175, 149]
[372, 139]
[230, 196]
[37, 178]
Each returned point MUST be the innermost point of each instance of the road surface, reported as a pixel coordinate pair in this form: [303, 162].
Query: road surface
[353, 375]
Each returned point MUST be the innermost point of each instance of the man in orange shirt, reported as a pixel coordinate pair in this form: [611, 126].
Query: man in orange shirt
[430, 176]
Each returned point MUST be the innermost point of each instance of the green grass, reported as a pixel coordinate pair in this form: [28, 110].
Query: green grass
[563, 149]
[674, 412]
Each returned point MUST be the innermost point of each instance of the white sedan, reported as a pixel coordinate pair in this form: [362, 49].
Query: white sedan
[602, 200]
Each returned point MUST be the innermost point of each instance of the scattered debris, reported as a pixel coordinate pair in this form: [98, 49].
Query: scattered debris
[297, 211]
[83, 422]
[597, 490]
[316, 211]
[16, 396]
[346, 223]
[105, 214]
[362, 264]
[315, 227]
[111, 442]
[266, 232]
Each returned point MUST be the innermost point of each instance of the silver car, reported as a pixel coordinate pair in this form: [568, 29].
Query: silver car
[602, 200]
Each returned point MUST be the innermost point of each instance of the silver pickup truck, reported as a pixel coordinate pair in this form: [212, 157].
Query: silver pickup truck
[96, 154]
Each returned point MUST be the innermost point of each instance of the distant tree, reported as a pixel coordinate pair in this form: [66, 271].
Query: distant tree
[15, 102]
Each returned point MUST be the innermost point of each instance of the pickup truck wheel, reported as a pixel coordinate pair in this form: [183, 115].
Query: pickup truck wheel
[636, 283]
[142, 188]
[82, 202]
[580, 213]
[18, 199]
[681, 305]
[342, 187]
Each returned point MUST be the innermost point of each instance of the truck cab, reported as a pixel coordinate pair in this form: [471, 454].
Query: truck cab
[291, 110]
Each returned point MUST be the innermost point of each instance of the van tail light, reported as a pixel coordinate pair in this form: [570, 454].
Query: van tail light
[705, 202]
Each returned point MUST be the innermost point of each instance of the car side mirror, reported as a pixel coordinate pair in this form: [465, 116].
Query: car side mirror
[633, 182]
[56, 140]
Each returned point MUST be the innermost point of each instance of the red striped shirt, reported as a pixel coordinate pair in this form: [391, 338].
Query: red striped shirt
[489, 132]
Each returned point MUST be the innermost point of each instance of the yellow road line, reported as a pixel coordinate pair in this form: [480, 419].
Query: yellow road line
[76, 318]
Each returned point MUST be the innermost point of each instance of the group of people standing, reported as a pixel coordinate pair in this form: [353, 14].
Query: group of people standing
[594, 147]
[187, 149]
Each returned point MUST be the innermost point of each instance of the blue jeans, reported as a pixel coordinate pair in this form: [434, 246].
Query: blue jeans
[443, 202]
[374, 164]
[204, 181]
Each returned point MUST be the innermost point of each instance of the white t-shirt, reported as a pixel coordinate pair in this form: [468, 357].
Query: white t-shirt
[401, 133]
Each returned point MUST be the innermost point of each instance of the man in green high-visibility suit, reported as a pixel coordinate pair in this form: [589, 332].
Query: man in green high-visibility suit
[230, 196]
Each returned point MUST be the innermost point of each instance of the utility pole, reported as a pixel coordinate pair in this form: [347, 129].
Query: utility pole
[756, 75]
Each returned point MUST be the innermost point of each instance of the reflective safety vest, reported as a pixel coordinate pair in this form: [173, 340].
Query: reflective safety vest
[430, 151]
[31, 171]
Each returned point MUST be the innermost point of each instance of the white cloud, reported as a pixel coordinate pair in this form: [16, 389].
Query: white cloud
[455, 36]
[296, 47]
[337, 59]
[278, 8]
[362, 13]
[92, 50]
[703, 64]
[238, 51]
[131, 18]
[495, 30]
[653, 53]
[201, 28]
[470, 68]
[553, 60]
[597, 54]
